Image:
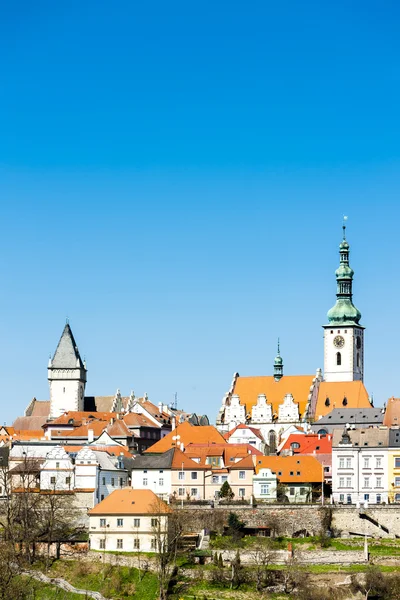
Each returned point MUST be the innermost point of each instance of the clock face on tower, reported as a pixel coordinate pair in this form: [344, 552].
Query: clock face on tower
[338, 341]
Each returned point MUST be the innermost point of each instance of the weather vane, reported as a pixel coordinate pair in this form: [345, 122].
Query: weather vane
[344, 226]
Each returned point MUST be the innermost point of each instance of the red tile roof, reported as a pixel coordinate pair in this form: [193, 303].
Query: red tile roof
[310, 443]
[293, 469]
[127, 501]
[187, 433]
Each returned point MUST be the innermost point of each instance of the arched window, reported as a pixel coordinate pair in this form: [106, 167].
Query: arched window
[358, 359]
[272, 442]
[322, 432]
[338, 358]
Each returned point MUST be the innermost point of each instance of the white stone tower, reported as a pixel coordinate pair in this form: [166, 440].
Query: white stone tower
[344, 336]
[67, 376]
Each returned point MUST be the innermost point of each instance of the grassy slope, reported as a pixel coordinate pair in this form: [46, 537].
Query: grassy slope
[111, 581]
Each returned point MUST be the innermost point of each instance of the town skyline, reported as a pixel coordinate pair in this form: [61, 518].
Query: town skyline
[212, 403]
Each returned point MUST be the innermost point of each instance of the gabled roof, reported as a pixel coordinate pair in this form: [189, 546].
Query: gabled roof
[292, 469]
[127, 501]
[29, 423]
[309, 443]
[230, 453]
[253, 430]
[138, 420]
[80, 417]
[249, 388]
[392, 414]
[187, 433]
[341, 394]
[171, 459]
[67, 354]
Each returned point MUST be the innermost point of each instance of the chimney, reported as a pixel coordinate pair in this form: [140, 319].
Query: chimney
[90, 435]
[160, 407]
[182, 447]
[112, 421]
[47, 434]
[173, 423]
[319, 436]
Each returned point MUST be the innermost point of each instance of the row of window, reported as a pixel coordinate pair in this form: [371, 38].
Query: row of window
[347, 482]
[366, 498]
[346, 463]
[136, 522]
[368, 462]
[122, 481]
[136, 544]
[146, 482]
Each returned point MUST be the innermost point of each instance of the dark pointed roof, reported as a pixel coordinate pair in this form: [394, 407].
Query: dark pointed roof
[67, 353]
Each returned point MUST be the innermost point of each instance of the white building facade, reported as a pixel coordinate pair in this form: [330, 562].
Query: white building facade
[360, 466]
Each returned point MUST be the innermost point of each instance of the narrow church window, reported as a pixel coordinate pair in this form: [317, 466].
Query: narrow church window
[64, 390]
[358, 360]
[338, 358]
[272, 442]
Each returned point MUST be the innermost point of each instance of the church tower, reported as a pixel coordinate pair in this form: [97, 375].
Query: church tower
[344, 336]
[67, 376]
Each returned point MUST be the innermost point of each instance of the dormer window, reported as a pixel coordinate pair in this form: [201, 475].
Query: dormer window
[327, 402]
[344, 401]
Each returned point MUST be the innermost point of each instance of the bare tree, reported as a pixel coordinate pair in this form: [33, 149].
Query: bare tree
[262, 556]
[167, 528]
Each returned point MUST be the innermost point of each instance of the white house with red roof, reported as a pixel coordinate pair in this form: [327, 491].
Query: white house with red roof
[244, 434]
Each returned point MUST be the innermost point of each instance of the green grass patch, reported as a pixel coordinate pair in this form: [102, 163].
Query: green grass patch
[112, 581]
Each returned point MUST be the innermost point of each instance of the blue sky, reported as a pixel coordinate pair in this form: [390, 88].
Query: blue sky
[173, 178]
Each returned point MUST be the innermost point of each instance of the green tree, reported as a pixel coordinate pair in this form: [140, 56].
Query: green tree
[226, 491]
[235, 526]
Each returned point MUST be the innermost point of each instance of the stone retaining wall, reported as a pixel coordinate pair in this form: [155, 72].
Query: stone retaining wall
[291, 520]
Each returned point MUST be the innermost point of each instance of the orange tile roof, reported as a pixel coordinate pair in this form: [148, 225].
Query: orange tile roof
[188, 434]
[309, 443]
[249, 388]
[180, 458]
[392, 413]
[309, 468]
[137, 420]
[229, 452]
[111, 450]
[96, 426]
[155, 411]
[27, 434]
[79, 417]
[225, 449]
[354, 392]
[131, 502]
[118, 429]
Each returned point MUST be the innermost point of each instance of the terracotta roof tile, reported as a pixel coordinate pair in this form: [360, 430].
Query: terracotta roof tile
[249, 388]
[188, 434]
[354, 391]
[308, 467]
[131, 502]
[392, 413]
[309, 443]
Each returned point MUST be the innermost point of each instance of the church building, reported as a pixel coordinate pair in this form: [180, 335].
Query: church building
[277, 403]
